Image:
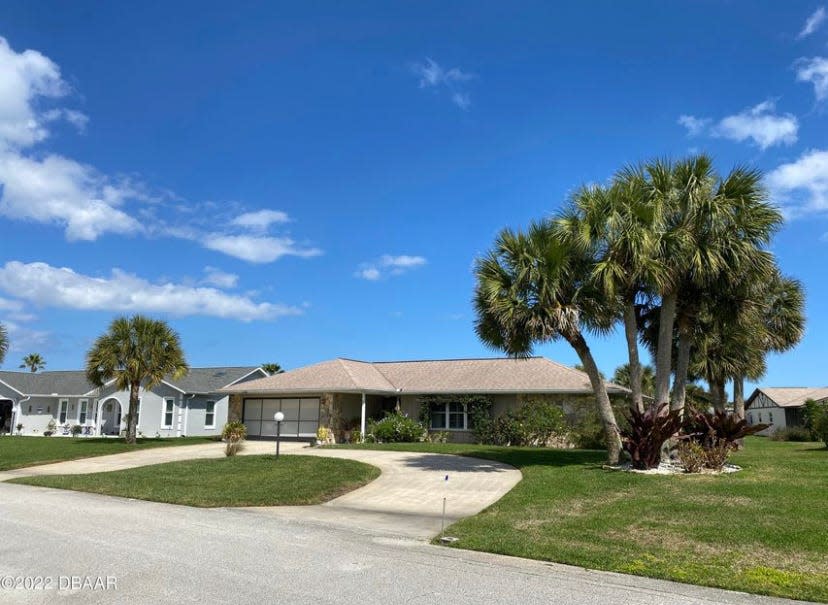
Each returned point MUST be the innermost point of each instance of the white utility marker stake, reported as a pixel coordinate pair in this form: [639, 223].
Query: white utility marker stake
[443, 522]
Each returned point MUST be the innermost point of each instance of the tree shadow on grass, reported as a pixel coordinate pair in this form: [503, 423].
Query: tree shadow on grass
[526, 457]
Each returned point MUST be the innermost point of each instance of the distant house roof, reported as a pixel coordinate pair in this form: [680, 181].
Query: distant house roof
[73, 383]
[790, 397]
[61, 382]
[444, 376]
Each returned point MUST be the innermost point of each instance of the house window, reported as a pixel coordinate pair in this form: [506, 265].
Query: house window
[64, 408]
[451, 416]
[750, 418]
[770, 417]
[83, 411]
[169, 407]
[210, 415]
[760, 416]
[30, 408]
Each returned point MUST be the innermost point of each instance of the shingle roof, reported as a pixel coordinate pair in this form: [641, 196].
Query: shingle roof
[791, 397]
[210, 380]
[447, 376]
[62, 382]
[73, 382]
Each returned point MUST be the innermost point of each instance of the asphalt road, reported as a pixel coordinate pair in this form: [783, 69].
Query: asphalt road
[141, 552]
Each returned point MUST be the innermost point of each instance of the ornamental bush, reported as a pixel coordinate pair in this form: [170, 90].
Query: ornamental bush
[396, 428]
[233, 434]
[534, 423]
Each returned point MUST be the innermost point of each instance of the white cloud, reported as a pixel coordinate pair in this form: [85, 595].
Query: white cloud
[24, 77]
[801, 186]
[50, 188]
[257, 248]
[815, 71]
[432, 75]
[260, 220]
[60, 191]
[389, 265]
[47, 286]
[695, 126]
[813, 22]
[369, 273]
[221, 279]
[26, 340]
[759, 124]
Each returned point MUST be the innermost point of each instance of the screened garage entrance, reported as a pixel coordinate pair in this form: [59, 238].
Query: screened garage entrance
[301, 416]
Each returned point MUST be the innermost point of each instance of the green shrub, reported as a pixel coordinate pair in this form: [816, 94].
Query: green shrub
[76, 430]
[356, 436]
[397, 428]
[691, 455]
[792, 433]
[816, 420]
[438, 437]
[534, 423]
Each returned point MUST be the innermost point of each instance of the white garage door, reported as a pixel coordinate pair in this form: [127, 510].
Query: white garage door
[301, 416]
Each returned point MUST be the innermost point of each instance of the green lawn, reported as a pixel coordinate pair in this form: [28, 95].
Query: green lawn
[18, 452]
[762, 530]
[236, 481]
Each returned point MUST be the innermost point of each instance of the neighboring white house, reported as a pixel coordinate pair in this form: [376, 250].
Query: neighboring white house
[192, 405]
[781, 407]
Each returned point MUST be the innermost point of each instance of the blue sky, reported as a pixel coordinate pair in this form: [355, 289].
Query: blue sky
[294, 182]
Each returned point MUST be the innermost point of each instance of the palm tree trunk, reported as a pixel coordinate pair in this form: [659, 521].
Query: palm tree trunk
[739, 396]
[664, 350]
[132, 415]
[631, 333]
[605, 411]
[719, 396]
[682, 366]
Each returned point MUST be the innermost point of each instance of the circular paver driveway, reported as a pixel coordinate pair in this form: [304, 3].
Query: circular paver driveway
[406, 500]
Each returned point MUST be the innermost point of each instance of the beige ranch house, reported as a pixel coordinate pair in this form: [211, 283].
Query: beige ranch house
[342, 394]
[781, 407]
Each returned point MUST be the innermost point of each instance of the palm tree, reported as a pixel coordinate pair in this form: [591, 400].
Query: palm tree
[135, 352]
[34, 362]
[730, 230]
[619, 226]
[778, 326]
[272, 368]
[535, 287]
[622, 377]
[4, 342]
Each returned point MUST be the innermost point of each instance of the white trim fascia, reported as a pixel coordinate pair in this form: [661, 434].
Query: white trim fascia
[172, 386]
[103, 386]
[265, 375]
[3, 382]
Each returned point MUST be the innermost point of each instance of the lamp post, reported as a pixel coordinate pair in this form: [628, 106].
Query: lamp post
[278, 417]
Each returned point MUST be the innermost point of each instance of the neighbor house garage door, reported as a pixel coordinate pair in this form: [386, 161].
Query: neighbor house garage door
[301, 416]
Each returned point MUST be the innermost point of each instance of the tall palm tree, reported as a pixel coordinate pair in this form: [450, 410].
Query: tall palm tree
[135, 352]
[619, 226]
[535, 287]
[4, 342]
[33, 361]
[730, 231]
